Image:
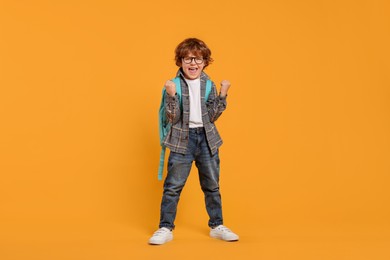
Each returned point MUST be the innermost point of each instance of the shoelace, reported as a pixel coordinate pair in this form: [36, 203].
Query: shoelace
[224, 229]
[161, 231]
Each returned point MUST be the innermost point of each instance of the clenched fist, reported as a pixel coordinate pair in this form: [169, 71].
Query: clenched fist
[170, 87]
[225, 85]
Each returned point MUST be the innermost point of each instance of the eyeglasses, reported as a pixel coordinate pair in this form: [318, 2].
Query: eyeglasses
[188, 60]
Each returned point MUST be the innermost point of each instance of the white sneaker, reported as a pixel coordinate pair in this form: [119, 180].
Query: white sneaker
[161, 236]
[222, 232]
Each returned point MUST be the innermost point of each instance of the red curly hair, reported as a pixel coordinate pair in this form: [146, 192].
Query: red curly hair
[197, 47]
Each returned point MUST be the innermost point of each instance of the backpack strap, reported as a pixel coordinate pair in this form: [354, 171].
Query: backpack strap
[208, 89]
[209, 86]
[163, 128]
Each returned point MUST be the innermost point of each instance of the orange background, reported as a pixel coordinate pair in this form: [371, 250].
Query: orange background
[306, 157]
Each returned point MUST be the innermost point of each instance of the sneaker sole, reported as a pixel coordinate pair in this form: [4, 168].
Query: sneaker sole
[220, 237]
[160, 242]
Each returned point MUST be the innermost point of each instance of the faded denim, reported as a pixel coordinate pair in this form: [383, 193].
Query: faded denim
[179, 166]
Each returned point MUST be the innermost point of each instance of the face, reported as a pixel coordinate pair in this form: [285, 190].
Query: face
[193, 69]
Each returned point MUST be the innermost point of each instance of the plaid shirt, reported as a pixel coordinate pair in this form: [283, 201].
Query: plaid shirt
[177, 138]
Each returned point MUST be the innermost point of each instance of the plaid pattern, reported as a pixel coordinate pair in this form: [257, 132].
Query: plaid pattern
[177, 138]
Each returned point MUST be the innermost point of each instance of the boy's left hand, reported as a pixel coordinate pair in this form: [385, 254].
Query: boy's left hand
[225, 85]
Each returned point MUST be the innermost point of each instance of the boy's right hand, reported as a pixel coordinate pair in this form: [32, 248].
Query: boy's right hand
[170, 87]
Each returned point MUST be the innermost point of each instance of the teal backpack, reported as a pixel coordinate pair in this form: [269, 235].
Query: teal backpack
[165, 126]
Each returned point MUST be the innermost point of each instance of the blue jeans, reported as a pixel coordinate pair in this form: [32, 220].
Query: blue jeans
[179, 166]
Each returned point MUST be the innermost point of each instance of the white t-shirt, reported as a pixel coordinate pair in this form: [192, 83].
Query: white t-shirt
[195, 103]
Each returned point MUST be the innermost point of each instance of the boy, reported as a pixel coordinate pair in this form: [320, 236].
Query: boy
[193, 137]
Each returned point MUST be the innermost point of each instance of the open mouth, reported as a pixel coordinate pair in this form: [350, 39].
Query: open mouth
[193, 70]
